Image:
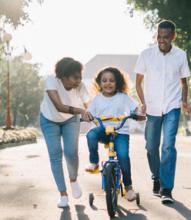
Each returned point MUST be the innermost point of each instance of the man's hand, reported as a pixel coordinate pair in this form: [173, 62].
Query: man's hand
[186, 108]
[143, 109]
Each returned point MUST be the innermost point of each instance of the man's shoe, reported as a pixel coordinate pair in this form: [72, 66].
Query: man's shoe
[156, 188]
[63, 202]
[166, 196]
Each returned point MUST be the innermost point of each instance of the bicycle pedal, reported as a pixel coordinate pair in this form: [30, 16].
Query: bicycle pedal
[94, 172]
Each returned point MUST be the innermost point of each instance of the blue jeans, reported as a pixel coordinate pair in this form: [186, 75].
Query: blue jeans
[121, 143]
[162, 169]
[68, 131]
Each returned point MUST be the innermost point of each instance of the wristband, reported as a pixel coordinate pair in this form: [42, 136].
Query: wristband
[71, 110]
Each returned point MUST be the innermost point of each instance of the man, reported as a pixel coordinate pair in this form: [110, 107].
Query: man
[164, 69]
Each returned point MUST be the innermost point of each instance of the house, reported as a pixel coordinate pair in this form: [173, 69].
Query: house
[125, 63]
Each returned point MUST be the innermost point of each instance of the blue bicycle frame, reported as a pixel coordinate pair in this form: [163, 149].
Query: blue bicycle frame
[112, 154]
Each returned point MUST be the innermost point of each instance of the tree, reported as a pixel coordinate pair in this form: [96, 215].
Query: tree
[13, 11]
[175, 10]
[26, 93]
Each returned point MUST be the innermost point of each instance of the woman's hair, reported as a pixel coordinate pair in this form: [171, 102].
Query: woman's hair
[66, 67]
[121, 80]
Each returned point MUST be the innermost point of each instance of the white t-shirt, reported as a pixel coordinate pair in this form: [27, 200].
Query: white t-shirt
[117, 105]
[74, 97]
[162, 74]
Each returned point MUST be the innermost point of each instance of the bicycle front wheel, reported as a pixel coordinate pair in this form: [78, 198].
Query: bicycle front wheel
[111, 188]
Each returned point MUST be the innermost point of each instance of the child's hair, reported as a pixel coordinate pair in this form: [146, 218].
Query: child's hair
[121, 80]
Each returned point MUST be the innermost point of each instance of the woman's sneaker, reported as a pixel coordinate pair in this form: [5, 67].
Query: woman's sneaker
[63, 202]
[92, 167]
[130, 194]
[76, 190]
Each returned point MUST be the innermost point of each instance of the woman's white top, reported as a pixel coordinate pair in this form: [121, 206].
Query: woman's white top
[117, 105]
[74, 97]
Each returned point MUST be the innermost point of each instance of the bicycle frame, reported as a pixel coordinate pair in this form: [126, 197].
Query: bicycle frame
[111, 131]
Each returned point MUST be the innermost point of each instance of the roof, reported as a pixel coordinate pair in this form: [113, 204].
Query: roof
[125, 63]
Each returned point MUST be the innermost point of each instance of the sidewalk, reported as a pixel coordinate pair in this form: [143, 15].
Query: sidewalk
[28, 192]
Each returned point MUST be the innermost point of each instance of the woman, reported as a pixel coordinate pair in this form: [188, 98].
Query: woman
[65, 98]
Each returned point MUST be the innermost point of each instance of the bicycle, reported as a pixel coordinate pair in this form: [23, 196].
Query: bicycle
[111, 172]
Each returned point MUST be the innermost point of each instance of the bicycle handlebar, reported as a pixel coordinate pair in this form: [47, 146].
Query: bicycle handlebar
[121, 119]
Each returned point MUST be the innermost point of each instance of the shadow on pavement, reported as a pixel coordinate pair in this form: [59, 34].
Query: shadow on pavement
[124, 214]
[66, 214]
[80, 212]
[182, 209]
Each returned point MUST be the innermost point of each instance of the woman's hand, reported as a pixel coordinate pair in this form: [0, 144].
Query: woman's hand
[87, 116]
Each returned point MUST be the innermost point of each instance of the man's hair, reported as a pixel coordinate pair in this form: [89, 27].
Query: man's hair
[66, 67]
[167, 24]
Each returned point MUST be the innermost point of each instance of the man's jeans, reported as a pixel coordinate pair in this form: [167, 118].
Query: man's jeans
[53, 133]
[162, 169]
[121, 142]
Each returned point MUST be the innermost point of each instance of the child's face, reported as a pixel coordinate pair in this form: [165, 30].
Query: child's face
[108, 84]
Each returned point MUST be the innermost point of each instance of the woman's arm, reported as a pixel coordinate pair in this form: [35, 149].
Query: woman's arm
[54, 97]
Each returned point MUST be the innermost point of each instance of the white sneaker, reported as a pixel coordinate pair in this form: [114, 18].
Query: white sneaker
[131, 195]
[76, 190]
[92, 167]
[63, 202]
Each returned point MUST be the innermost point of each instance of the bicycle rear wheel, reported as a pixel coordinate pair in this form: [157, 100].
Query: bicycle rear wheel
[111, 189]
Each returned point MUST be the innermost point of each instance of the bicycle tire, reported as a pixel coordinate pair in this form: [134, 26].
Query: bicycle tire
[110, 188]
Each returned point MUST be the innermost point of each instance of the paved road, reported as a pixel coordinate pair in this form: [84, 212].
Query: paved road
[27, 189]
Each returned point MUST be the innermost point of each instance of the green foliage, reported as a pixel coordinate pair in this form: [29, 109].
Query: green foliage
[175, 10]
[14, 11]
[26, 93]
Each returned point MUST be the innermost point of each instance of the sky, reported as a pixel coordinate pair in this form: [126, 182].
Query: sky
[81, 29]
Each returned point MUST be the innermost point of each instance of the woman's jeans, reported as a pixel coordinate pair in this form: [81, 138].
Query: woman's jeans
[121, 143]
[68, 132]
[162, 169]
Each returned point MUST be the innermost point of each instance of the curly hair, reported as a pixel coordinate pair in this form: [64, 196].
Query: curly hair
[66, 67]
[121, 80]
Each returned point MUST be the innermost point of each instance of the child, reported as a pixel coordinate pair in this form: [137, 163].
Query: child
[112, 101]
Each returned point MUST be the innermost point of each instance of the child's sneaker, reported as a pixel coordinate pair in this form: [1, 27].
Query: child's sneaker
[131, 195]
[76, 190]
[63, 202]
[92, 167]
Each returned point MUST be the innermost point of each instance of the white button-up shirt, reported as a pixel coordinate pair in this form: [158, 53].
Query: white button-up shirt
[162, 74]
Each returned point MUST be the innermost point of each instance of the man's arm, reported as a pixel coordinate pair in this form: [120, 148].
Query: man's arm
[139, 89]
[185, 104]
